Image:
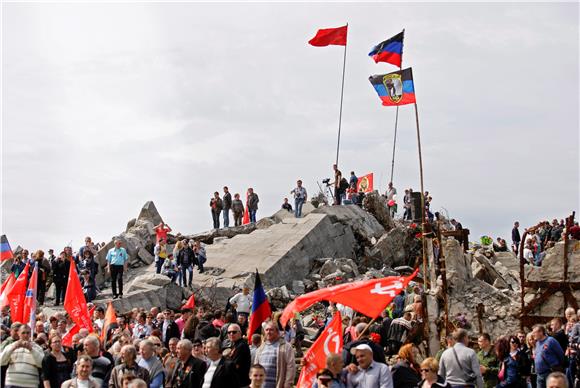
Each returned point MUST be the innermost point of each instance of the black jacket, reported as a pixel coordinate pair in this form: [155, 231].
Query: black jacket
[186, 257]
[404, 376]
[227, 200]
[378, 352]
[225, 375]
[242, 359]
[189, 374]
[171, 332]
[516, 235]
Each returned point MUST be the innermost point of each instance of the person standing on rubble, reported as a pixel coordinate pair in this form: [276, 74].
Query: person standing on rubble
[117, 261]
[300, 197]
[227, 201]
[216, 204]
[516, 239]
[252, 204]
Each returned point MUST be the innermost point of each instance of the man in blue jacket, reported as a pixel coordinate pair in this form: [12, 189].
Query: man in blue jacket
[549, 355]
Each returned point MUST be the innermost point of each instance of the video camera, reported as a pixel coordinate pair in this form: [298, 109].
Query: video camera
[326, 181]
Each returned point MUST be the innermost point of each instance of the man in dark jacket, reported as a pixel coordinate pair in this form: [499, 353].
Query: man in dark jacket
[189, 371]
[240, 354]
[227, 201]
[216, 204]
[186, 260]
[169, 328]
[220, 372]
[252, 204]
[516, 239]
[60, 269]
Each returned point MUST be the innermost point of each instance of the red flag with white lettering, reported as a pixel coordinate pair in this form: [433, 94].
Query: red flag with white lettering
[330, 341]
[368, 297]
[75, 303]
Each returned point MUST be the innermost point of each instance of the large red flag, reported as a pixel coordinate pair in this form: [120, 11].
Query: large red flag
[328, 36]
[6, 286]
[29, 314]
[330, 341]
[246, 219]
[110, 317]
[16, 295]
[68, 336]
[190, 304]
[368, 297]
[74, 301]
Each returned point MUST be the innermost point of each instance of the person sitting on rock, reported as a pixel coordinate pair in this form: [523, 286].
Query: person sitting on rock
[200, 255]
[286, 206]
[169, 268]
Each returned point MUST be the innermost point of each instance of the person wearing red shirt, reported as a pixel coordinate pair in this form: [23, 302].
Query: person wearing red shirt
[161, 231]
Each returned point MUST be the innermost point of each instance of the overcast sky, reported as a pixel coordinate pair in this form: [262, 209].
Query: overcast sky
[106, 106]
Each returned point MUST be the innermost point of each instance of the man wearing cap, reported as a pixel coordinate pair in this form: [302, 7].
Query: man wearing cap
[370, 374]
[116, 264]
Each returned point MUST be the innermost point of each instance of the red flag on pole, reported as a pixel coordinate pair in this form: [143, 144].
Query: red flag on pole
[29, 314]
[68, 336]
[330, 36]
[16, 295]
[330, 341]
[74, 300]
[365, 184]
[110, 317]
[6, 286]
[368, 297]
[190, 304]
[246, 219]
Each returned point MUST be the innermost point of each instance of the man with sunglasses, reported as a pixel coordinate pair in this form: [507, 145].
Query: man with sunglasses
[240, 354]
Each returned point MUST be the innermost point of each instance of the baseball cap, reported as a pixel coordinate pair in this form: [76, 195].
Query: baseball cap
[360, 347]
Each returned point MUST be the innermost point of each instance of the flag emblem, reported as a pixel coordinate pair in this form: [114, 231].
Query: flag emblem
[394, 85]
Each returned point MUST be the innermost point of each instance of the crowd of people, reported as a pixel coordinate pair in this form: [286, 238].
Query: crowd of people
[541, 237]
[221, 206]
[202, 347]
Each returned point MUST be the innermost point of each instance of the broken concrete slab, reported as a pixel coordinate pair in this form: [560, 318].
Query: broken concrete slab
[364, 225]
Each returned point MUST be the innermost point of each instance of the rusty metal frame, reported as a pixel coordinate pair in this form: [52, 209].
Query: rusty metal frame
[463, 235]
[548, 288]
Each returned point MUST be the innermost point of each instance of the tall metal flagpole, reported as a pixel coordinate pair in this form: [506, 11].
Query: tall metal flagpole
[394, 143]
[341, 98]
[396, 121]
[422, 196]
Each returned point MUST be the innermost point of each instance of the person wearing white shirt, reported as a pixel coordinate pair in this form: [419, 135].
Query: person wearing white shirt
[242, 301]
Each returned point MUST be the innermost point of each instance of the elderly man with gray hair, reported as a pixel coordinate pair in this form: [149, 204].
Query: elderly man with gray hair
[149, 361]
[128, 365]
[369, 374]
[459, 365]
[277, 357]
[189, 371]
[220, 372]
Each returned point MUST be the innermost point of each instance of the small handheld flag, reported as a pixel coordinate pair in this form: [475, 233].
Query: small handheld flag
[330, 36]
[190, 304]
[389, 51]
[395, 88]
[5, 250]
[260, 307]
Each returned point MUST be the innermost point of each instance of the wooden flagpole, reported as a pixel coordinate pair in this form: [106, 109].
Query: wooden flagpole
[341, 98]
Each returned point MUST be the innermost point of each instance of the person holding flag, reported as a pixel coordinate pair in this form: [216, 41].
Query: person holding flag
[29, 313]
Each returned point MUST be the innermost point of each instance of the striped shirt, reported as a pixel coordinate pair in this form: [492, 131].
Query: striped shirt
[23, 364]
[269, 359]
